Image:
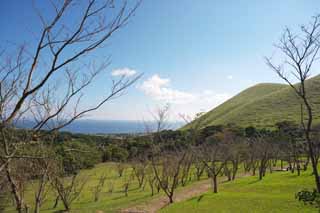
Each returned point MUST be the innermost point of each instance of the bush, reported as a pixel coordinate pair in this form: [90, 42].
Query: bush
[81, 156]
[309, 197]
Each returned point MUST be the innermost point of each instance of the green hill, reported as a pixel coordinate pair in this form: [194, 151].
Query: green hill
[263, 105]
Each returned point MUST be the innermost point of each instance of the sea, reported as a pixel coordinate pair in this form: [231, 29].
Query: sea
[87, 126]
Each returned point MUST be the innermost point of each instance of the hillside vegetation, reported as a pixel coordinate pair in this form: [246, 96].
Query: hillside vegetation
[264, 105]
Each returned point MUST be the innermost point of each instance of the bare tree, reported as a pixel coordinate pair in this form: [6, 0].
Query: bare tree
[167, 168]
[139, 169]
[98, 188]
[263, 148]
[166, 165]
[186, 167]
[234, 142]
[199, 167]
[69, 189]
[18, 175]
[127, 180]
[151, 179]
[213, 157]
[121, 167]
[300, 54]
[110, 185]
[44, 169]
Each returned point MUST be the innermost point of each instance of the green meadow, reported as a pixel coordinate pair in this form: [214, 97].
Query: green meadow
[275, 193]
[108, 202]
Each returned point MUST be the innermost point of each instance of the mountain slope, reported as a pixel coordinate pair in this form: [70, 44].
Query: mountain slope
[264, 105]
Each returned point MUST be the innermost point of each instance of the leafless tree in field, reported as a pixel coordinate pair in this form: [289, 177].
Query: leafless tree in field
[121, 167]
[151, 179]
[251, 159]
[263, 148]
[300, 54]
[43, 169]
[68, 189]
[98, 188]
[213, 156]
[139, 167]
[18, 175]
[167, 168]
[234, 152]
[166, 165]
[199, 167]
[110, 185]
[186, 168]
[127, 181]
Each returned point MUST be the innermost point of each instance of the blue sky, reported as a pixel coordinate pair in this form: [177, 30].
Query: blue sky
[194, 54]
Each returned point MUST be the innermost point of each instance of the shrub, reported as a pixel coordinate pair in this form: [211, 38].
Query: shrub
[309, 197]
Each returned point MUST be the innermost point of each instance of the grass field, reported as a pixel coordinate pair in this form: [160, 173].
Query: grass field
[275, 193]
[264, 105]
[108, 202]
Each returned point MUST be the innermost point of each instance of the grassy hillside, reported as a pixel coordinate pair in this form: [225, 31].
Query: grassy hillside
[264, 105]
[108, 202]
[273, 194]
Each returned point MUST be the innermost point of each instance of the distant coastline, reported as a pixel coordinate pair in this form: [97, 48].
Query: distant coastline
[90, 126]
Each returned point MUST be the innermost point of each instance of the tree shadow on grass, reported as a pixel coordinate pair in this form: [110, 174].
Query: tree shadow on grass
[254, 181]
[200, 198]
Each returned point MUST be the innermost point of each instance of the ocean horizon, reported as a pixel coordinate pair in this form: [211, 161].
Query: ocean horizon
[91, 126]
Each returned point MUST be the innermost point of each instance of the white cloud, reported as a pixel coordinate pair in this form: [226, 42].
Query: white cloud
[189, 103]
[123, 72]
[158, 89]
[230, 77]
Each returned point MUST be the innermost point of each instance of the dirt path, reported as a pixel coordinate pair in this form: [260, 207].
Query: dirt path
[181, 195]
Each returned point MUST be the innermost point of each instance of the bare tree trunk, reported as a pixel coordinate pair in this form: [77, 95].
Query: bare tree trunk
[305, 165]
[234, 169]
[56, 202]
[311, 152]
[214, 183]
[171, 198]
[38, 197]
[15, 191]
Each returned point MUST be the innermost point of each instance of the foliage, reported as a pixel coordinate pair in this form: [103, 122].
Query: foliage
[76, 155]
[309, 197]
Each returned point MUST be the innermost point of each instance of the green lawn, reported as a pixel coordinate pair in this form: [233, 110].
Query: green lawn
[275, 193]
[107, 203]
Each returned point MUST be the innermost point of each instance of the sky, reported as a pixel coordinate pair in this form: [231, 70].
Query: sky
[194, 54]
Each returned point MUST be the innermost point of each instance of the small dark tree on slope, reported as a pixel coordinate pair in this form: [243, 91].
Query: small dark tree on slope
[99, 187]
[69, 189]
